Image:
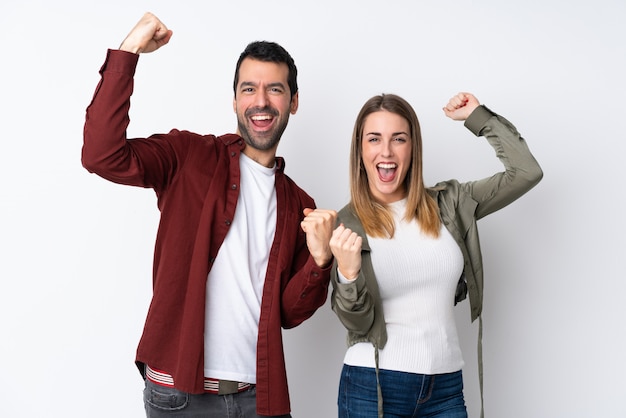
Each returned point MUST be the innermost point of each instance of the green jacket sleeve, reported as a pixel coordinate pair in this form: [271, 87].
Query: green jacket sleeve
[521, 170]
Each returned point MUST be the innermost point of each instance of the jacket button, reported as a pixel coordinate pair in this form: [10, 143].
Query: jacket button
[233, 186]
[228, 222]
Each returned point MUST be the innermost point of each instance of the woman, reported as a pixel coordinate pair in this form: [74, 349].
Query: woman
[405, 254]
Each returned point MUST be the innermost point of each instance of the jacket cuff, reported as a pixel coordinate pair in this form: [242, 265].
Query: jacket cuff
[350, 291]
[120, 62]
[477, 119]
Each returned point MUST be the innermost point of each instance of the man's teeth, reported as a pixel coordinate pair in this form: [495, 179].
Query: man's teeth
[387, 166]
[261, 117]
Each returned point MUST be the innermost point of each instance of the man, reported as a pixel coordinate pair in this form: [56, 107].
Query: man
[240, 251]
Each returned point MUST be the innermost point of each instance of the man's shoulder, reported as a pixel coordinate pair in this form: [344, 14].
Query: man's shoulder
[186, 138]
[293, 190]
[225, 139]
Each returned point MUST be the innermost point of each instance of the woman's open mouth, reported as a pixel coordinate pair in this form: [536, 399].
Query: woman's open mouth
[386, 171]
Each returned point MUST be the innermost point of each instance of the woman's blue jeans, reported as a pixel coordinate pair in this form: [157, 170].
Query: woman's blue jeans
[404, 394]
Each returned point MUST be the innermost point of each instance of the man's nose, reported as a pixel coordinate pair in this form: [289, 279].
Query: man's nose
[261, 99]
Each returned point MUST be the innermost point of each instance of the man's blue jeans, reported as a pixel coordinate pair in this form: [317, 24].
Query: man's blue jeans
[166, 402]
[404, 394]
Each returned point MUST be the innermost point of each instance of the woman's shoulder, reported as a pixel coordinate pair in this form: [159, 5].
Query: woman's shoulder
[444, 187]
[346, 211]
[348, 217]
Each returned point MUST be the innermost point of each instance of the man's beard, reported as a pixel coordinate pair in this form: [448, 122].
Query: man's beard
[255, 140]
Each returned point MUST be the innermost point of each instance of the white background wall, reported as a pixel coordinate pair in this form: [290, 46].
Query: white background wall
[76, 251]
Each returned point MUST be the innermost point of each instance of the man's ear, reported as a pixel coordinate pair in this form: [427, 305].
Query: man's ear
[293, 108]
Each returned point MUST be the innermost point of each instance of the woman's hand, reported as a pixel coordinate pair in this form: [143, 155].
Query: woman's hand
[346, 247]
[462, 105]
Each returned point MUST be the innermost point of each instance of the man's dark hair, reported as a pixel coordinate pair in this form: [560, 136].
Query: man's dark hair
[269, 52]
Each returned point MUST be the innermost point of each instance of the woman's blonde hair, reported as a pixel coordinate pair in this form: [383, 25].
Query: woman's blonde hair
[374, 215]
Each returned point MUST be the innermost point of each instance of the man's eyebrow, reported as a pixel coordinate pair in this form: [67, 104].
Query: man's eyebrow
[247, 84]
[277, 84]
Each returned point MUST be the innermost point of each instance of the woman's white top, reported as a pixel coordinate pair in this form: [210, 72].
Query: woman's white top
[417, 276]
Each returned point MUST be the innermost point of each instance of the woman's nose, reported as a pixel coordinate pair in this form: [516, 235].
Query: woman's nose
[386, 150]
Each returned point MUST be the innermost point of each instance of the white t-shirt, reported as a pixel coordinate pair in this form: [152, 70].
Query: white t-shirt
[235, 283]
